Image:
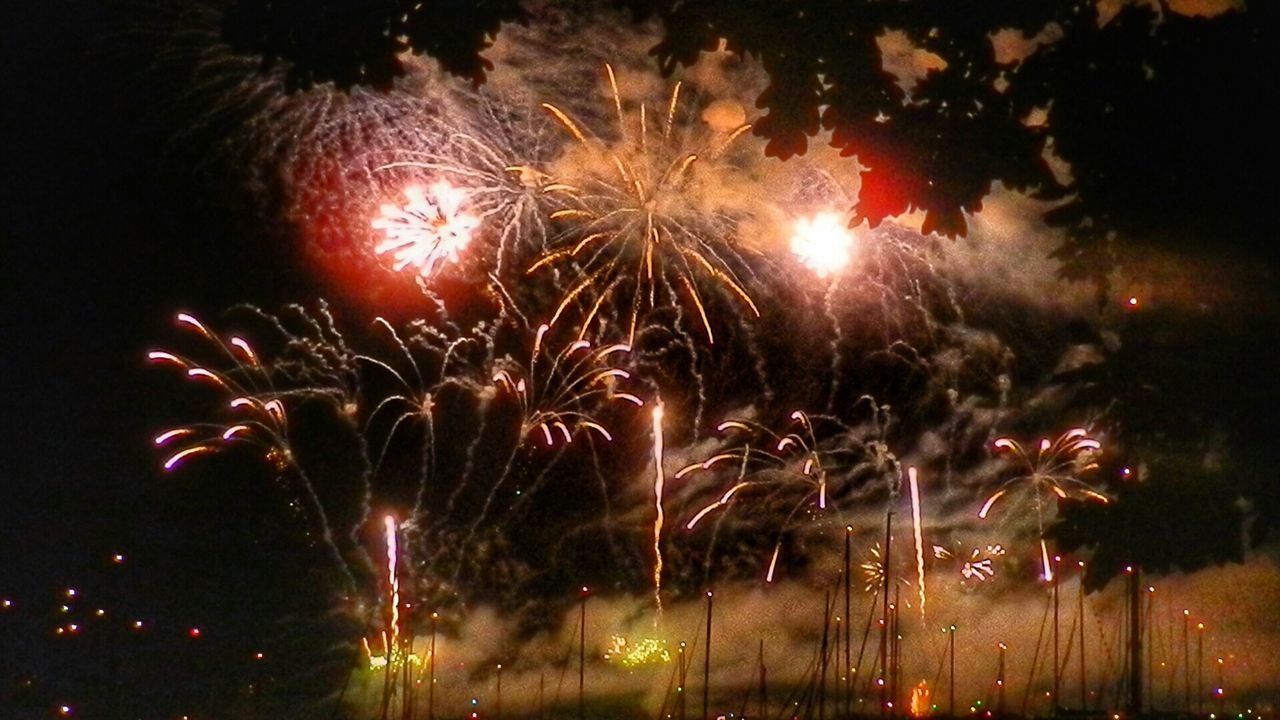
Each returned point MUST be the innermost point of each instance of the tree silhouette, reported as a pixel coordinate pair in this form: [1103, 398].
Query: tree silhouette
[1189, 459]
[1159, 118]
[1179, 517]
[358, 42]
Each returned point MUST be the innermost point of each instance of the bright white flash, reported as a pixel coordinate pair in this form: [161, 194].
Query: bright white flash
[823, 243]
[429, 229]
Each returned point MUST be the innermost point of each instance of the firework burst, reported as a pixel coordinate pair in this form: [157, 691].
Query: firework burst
[823, 243]
[629, 654]
[979, 564]
[637, 217]
[493, 156]
[258, 410]
[431, 228]
[436, 359]
[1053, 470]
[872, 568]
[557, 391]
[788, 467]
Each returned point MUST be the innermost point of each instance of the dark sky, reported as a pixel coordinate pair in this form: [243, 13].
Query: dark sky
[98, 249]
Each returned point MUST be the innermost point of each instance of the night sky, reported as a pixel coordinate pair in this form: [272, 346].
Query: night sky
[151, 170]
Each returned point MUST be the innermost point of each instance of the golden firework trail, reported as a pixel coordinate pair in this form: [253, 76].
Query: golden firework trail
[913, 481]
[873, 570]
[784, 463]
[659, 481]
[391, 634]
[258, 410]
[560, 388]
[1053, 470]
[393, 576]
[635, 220]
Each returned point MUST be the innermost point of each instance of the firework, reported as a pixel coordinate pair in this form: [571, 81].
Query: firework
[260, 420]
[556, 389]
[823, 243]
[560, 388]
[920, 705]
[775, 465]
[391, 654]
[494, 158]
[1053, 470]
[978, 564]
[873, 570]
[432, 227]
[639, 221]
[413, 398]
[645, 651]
[916, 529]
[659, 480]
[313, 150]
[557, 392]
[390, 532]
[430, 361]
[258, 416]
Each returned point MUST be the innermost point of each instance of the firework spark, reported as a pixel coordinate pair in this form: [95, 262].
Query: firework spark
[784, 463]
[645, 651]
[639, 219]
[873, 570]
[1054, 470]
[432, 227]
[979, 563]
[560, 388]
[259, 415]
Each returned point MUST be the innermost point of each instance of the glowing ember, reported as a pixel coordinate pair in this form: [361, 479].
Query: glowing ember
[920, 695]
[646, 651]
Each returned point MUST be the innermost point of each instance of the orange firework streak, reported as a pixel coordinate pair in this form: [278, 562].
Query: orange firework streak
[635, 223]
[793, 459]
[915, 523]
[659, 480]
